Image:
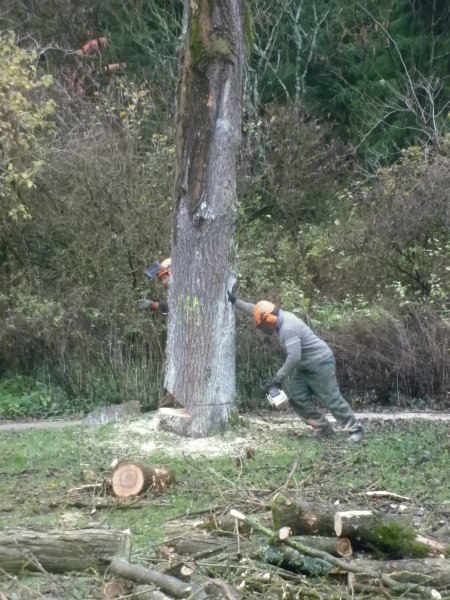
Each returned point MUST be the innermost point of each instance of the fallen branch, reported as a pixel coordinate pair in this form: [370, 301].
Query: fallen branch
[200, 587]
[385, 494]
[141, 575]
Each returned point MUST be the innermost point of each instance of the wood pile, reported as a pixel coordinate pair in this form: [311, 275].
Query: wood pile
[297, 549]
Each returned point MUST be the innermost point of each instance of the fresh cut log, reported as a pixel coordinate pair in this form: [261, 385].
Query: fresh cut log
[332, 545]
[61, 551]
[388, 535]
[303, 518]
[131, 478]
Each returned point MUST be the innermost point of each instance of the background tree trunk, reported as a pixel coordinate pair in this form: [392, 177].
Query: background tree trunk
[200, 346]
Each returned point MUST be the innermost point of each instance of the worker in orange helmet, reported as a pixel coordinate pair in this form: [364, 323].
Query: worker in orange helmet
[162, 272]
[310, 365]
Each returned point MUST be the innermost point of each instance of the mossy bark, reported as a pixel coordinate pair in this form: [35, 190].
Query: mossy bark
[387, 535]
[290, 559]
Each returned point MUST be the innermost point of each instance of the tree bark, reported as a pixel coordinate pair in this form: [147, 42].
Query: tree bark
[389, 535]
[434, 571]
[292, 560]
[304, 518]
[332, 545]
[201, 361]
[61, 551]
[198, 545]
[139, 574]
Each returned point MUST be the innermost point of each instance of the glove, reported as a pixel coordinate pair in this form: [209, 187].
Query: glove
[272, 382]
[231, 297]
[144, 303]
[277, 383]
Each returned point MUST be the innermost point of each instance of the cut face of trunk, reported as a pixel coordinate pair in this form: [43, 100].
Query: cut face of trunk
[200, 346]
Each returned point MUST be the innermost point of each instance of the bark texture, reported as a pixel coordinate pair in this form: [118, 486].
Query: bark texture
[304, 518]
[201, 361]
[61, 551]
[392, 536]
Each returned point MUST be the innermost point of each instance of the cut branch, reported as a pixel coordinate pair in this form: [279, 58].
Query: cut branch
[141, 575]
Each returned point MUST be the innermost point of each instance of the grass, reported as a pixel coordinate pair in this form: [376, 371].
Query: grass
[39, 466]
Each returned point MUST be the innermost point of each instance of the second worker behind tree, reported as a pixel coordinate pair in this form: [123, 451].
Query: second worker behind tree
[163, 273]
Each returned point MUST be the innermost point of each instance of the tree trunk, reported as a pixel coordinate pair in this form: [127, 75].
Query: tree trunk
[61, 551]
[201, 371]
[304, 518]
[389, 535]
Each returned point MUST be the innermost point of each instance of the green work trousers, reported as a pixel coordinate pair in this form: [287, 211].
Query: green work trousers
[321, 382]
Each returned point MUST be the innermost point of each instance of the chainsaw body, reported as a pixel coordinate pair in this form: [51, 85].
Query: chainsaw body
[276, 397]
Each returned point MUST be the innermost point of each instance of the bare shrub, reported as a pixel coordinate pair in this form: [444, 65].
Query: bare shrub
[395, 357]
[294, 162]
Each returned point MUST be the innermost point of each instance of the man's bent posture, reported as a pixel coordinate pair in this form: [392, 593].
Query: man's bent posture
[311, 366]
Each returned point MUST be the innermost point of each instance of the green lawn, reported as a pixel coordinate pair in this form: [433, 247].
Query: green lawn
[40, 466]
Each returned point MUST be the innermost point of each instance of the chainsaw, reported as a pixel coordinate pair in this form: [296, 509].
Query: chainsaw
[275, 396]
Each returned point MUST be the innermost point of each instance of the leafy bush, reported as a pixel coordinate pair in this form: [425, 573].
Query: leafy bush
[22, 397]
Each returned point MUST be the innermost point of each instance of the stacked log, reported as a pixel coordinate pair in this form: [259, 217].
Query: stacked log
[390, 536]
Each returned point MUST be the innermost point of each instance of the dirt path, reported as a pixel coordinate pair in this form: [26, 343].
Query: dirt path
[283, 417]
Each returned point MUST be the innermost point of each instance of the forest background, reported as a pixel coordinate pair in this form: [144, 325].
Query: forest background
[344, 179]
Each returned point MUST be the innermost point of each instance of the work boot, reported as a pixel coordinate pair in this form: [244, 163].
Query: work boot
[356, 436]
[323, 432]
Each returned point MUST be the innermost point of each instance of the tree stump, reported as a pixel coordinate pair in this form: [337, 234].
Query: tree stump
[131, 479]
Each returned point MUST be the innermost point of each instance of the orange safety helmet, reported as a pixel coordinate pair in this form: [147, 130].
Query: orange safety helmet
[165, 268]
[264, 312]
